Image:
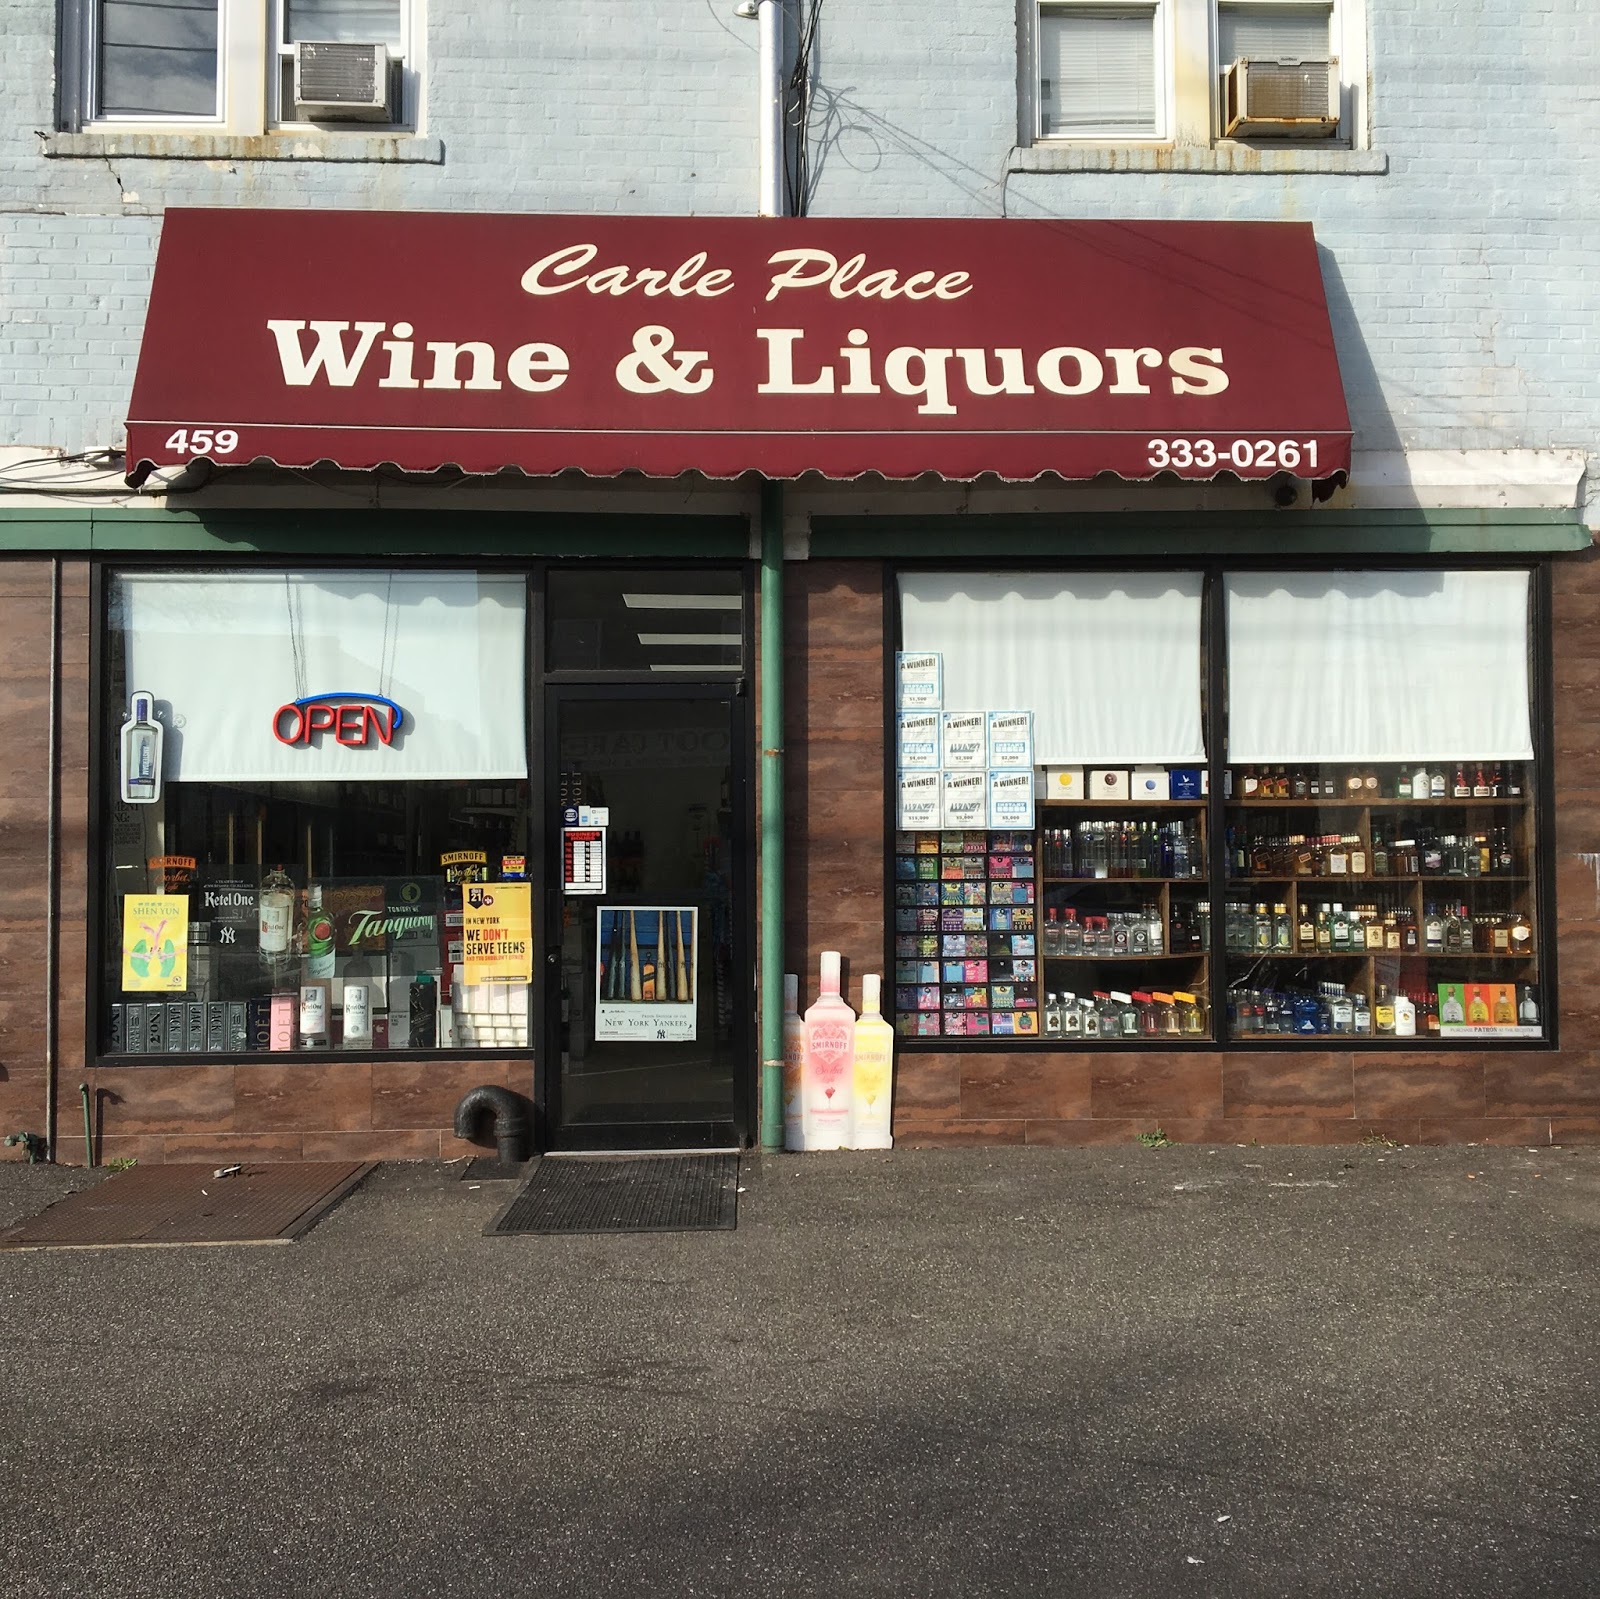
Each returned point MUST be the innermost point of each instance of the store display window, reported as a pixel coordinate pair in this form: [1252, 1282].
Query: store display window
[317, 813]
[1359, 856]
[1381, 832]
[1050, 855]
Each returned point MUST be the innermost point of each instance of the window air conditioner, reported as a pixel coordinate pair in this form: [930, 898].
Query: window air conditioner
[1280, 99]
[341, 82]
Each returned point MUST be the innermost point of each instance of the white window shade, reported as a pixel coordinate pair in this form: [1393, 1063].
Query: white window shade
[222, 652]
[1109, 664]
[1097, 71]
[1273, 33]
[1378, 666]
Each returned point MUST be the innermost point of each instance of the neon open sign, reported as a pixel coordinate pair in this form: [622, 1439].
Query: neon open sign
[357, 721]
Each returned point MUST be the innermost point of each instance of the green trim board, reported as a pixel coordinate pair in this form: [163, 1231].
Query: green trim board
[1192, 534]
[1182, 534]
[147, 529]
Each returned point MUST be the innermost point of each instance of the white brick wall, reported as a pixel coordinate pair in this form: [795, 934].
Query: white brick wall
[1464, 282]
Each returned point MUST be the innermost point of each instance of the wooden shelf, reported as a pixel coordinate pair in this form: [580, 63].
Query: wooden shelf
[1318, 882]
[1118, 882]
[1165, 955]
[1136, 804]
[1374, 804]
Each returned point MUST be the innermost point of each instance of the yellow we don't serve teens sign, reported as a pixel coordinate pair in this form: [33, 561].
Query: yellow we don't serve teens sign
[155, 943]
[497, 933]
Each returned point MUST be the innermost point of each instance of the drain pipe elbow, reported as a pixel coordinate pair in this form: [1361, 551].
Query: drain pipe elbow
[511, 1126]
[32, 1145]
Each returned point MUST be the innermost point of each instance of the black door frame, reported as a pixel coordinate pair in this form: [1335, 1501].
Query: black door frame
[732, 693]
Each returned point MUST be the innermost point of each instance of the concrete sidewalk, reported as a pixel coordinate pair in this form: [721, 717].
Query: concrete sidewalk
[1064, 1372]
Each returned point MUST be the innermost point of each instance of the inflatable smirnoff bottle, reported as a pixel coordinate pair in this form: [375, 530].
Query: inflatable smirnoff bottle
[794, 1059]
[830, 1030]
[874, 1071]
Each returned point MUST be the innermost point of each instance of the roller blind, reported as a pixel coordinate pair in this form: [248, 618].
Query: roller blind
[1378, 666]
[1097, 71]
[1109, 664]
[222, 652]
[1273, 33]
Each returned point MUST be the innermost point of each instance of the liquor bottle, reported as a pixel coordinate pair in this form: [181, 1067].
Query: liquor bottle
[1307, 927]
[1520, 935]
[1420, 783]
[1480, 783]
[1299, 787]
[872, 1089]
[1152, 929]
[1528, 1008]
[1369, 784]
[1505, 1013]
[140, 744]
[276, 908]
[1361, 1017]
[1461, 788]
[1380, 854]
[1383, 1018]
[1433, 931]
[1477, 1008]
[1282, 930]
[828, 1065]
[1405, 1016]
[1450, 1011]
[1514, 780]
[1354, 784]
[1496, 782]
[1052, 1016]
[317, 936]
[794, 1054]
[1436, 784]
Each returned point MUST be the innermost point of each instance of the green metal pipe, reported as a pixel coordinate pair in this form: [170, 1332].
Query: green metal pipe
[88, 1129]
[771, 804]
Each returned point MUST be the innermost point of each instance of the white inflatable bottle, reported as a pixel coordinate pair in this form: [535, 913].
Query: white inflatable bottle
[830, 1035]
[873, 1071]
[794, 1060]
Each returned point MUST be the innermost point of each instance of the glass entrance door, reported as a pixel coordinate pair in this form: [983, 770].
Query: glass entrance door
[650, 972]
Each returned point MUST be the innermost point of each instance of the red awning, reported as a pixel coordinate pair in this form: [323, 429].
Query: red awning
[724, 345]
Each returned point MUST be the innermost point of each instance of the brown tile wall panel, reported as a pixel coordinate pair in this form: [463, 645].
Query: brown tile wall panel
[1565, 1083]
[389, 1145]
[1024, 1084]
[918, 1134]
[1083, 1130]
[155, 1099]
[927, 1084]
[226, 1148]
[334, 1094]
[1137, 1083]
[416, 1094]
[1286, 1084]
[1419, 1085]
[834, 720]
[1575, 1130]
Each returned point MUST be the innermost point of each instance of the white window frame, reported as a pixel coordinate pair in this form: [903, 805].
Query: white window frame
[247, 66]
[1346, 40]
[280, 116]
[1161, 27]
[1189, 77]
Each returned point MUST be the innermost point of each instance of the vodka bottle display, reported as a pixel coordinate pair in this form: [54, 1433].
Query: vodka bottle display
[872, 1090]
[828, 1067]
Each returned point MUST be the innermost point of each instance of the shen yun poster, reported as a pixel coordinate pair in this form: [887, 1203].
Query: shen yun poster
[645, 983]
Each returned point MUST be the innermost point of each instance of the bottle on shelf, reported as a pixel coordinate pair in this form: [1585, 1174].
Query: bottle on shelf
[1383, 1018]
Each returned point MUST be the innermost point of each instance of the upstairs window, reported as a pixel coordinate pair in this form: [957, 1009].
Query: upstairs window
[1101, 71]
[157, 59]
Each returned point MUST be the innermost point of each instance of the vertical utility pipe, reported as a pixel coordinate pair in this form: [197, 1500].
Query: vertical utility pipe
[769, 18]
[52, 862]
[771, 202]
[772, 778]
[88, 1127]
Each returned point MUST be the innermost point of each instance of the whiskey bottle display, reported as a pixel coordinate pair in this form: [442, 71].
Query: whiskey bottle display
[1395, 900]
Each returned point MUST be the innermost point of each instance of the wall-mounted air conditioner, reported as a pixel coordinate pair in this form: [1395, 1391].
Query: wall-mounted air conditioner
[341, 82]
[1280, 99]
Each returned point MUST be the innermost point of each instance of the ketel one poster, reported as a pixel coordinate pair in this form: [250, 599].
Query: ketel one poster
[155, 943]
[645, 979]
[496, 933]
[724, 345]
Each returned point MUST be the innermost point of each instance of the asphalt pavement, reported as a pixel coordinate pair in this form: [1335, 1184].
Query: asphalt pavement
[1108, 1372]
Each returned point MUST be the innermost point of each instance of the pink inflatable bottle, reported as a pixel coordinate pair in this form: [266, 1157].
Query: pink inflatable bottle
[830, 1032]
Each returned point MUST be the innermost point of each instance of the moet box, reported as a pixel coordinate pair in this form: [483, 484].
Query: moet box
[966, 743]
[917, 741]
[965, 798]
[1011, 797]
[918, 680]
[921, 799]
[1011, 738]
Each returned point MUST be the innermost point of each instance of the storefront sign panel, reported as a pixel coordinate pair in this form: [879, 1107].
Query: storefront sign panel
[497, 933]
[646, 982]
[725, 345]
[155, 943]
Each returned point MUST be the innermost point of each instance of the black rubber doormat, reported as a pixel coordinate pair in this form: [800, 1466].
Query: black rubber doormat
[642, 1194]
